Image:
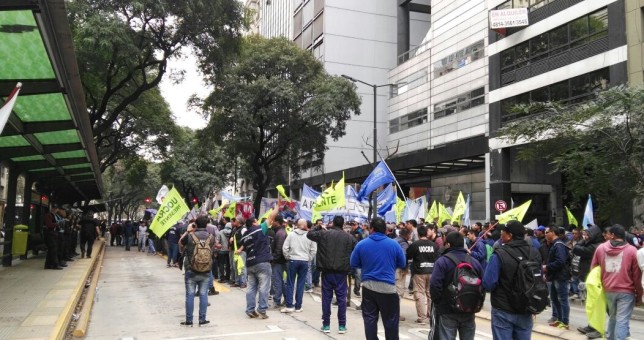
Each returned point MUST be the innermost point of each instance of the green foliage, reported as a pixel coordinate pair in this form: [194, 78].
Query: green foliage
[123, 47]
[128, 183]
[195, 167]
[275, 108]
[598, 146]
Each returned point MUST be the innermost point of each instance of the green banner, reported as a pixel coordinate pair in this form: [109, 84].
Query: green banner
[172, 210]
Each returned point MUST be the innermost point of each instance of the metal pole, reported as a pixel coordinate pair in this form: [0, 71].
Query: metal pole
[375, 148]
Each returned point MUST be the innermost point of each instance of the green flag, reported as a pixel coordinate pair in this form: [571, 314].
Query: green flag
[459, 207]
[443, 214]
[399, 208]
[514, 214]
[280, 189]
[571, 219]
[172, 210]
[331, 198]
[432, 213]
[230, 211]
[595, 300]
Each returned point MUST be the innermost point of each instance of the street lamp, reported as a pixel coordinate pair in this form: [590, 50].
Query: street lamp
[375, 133]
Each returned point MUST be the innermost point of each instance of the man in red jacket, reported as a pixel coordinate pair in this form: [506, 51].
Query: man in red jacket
[621, 278]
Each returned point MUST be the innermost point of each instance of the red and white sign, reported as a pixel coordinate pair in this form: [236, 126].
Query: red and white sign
[511, 17]
[500, 206]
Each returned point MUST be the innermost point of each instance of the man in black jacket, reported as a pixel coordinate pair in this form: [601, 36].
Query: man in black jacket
[508, 321]
[585, 249]
[278, 265]
[557, 272]
[449, 322]
[334, 250]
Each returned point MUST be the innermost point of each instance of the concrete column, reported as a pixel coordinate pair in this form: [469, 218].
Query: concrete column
[10, 214]
[500, 184]
[403, 28]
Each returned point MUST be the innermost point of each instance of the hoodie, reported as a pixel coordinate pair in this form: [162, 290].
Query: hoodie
[620, 271]
[378, 256]
[298, 247]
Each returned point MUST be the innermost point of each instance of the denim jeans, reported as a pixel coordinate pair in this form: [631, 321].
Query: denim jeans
[142, 242]
[277, 283]
[449, 324]
[357, 276]
[151, 249]
[309, 275]
[173, 252]
[574, 285]
[194, 280]
[511, 326]
[299, 269]
[620, 308]
[259, 283]
[559, 298]
[128, 241]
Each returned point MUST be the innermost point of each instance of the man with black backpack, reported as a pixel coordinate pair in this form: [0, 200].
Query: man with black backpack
[197, 263]
[456, 291]
[513, 275]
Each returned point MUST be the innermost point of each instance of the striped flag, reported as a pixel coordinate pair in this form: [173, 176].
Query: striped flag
[6, 109]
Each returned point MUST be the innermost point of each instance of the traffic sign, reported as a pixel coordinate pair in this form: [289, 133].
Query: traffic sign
[500, 206]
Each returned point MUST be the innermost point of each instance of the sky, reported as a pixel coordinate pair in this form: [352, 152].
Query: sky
[177, 95]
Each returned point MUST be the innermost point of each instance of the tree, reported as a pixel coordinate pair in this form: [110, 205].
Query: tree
[123, 47]
[128, 183]
[598, 146]
[275, 108]
[196, 167]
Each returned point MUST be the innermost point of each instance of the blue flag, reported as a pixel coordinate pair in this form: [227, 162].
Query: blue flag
[588, 214]
[380, 175]
[386, 200]
[466, 215]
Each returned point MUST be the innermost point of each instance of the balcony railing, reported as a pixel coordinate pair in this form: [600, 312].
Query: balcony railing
[413, 52]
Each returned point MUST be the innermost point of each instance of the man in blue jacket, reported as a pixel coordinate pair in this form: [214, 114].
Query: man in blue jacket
[378, 256]
[557, 270]
[449, 322]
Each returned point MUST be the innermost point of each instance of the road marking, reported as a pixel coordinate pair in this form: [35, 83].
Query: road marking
[271, 329]
[220, 287]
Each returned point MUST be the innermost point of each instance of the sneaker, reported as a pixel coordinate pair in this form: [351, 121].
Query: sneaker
[593, 335]
[243, 286]
[326, 329]
[574, 297]
[552, 319]
[562, 325]
[356, 293]
[402, 318]
[555, 323]
[420, 321]
[263, 315]
[309, 290]
[585, 330]
[342, 329]
[287, 310]
[186, 323]
[299, 310]
[252, 314]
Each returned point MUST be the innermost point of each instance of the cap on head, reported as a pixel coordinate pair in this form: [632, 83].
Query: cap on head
[515, 228]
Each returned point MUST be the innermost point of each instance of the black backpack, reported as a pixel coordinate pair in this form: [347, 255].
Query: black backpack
[529, 292]
[465, 291]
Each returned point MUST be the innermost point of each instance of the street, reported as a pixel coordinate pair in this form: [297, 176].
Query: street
[139, 298]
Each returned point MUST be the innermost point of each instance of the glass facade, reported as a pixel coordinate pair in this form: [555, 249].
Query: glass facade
[460, 103]
[459, 59]
[408, 121]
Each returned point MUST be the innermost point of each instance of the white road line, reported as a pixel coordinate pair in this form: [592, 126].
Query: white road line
[271, 329]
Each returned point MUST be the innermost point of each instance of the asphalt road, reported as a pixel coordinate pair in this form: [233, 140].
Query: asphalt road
[139, 298]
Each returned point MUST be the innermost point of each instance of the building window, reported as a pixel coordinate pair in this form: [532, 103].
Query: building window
[568, 92]
[459, 59]
[318, 50]
[575, 33]
[412, 81]
[408, 121]
[460, 103]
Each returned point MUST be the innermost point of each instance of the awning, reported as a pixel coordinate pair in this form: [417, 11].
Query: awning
[48, 135]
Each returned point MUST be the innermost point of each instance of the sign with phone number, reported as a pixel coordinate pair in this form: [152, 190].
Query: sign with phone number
[514, 17]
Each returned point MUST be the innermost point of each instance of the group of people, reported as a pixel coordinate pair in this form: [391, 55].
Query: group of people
[134, 233]
[62, 233]
[279, 260]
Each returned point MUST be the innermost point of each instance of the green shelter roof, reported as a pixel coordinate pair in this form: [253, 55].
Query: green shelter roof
[48, 135]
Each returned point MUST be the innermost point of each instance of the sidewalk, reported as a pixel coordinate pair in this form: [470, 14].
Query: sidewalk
[38, 304]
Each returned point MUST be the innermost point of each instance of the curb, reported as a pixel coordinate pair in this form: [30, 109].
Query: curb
[64, 318]
[88, 303]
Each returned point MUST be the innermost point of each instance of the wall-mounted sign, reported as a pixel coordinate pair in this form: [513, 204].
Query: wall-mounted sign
[512, 17]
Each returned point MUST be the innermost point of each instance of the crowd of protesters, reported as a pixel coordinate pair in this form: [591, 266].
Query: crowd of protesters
[276, 260]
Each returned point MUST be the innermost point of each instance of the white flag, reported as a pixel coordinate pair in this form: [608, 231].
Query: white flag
[5, 111]
[162, 193]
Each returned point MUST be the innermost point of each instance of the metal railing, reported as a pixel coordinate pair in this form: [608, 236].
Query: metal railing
[413, 52]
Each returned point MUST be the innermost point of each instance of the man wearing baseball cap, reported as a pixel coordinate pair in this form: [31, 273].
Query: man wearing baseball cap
[508, 320]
